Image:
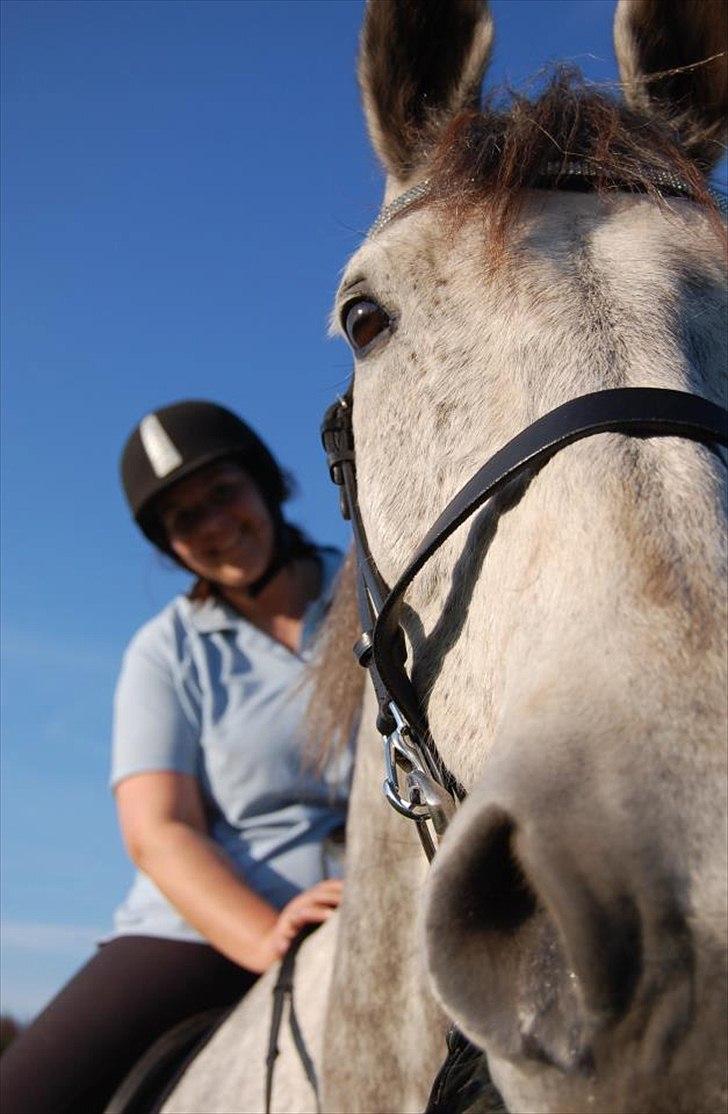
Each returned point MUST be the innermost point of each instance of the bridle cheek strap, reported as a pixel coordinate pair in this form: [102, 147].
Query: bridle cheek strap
[409, 747]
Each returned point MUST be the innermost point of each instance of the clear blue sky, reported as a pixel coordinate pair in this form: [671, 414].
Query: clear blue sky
[183, 181]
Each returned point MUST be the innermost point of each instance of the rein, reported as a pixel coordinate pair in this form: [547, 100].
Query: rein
[282, 992]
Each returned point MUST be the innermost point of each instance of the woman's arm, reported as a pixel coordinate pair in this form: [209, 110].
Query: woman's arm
[163, 825]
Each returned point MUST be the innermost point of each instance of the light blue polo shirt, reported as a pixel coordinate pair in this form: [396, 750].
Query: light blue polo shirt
[202, 691]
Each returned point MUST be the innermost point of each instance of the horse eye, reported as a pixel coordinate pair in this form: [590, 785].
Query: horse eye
[363, 322]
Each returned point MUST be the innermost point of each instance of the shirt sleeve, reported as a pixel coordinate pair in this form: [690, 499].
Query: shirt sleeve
[156, 726]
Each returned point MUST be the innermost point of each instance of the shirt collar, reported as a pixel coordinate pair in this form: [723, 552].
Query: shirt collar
[212, 614]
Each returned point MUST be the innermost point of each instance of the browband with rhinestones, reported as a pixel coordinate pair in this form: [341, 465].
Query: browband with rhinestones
[670, 184]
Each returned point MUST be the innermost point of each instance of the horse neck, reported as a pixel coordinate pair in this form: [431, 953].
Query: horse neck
[385, 1036]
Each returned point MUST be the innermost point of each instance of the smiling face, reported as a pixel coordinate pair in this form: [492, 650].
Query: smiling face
[219, 526]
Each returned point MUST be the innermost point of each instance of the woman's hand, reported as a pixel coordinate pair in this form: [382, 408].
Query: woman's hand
[164, 827]
[313, 906]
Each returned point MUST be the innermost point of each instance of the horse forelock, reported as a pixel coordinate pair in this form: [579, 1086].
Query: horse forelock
[484, 159]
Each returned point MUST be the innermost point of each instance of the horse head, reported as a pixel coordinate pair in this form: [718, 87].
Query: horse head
[569, 641]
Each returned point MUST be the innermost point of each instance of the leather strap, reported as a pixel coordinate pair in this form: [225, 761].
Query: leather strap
[283, 990]
[337, 437]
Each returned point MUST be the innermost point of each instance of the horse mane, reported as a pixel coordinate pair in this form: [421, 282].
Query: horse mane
[483, 162]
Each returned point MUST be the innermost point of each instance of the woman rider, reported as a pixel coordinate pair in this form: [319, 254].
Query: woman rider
[232, 835]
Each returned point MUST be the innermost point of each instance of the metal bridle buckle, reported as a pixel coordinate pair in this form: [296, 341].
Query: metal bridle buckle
[422, 798]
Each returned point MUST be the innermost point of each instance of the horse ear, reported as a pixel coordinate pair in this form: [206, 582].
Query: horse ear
[420, 62]
[673, 61]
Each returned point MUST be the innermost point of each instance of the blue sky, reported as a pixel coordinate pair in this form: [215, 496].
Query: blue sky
[182, 183]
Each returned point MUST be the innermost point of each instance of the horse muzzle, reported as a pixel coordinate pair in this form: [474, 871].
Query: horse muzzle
[557, 928]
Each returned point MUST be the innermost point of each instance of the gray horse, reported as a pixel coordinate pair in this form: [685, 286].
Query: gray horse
[569, 642]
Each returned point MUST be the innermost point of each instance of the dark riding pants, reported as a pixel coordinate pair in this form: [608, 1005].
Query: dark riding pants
[78, 1050]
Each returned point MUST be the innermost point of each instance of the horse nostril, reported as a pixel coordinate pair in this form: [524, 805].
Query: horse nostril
[510, 883]
[532, 947]
[495, 895]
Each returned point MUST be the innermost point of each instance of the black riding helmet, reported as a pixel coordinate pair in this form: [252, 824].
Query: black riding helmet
[174, 441]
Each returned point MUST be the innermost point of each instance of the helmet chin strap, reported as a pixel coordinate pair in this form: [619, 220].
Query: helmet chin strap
[280, 556]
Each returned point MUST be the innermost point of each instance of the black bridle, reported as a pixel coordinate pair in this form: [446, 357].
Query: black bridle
[430, 791]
